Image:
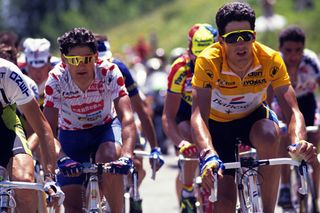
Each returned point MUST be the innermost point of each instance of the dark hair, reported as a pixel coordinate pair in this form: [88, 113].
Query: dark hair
[77, 37]
[235, 11]
[292, 33]
[8, 52]
[9, 38]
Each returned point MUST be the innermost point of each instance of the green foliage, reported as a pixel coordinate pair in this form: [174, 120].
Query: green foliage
[124, 21]
[172, 20]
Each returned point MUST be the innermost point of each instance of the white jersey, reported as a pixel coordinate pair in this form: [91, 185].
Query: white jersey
[13, 85]
[93, 107]
[308, 73]
[33, 85]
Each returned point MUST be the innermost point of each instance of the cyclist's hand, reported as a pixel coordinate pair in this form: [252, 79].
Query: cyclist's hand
[303, 150]
[56, 195]
[210, 164]
[188, 149]
[69, 167]
[121, 166]
[155, 154]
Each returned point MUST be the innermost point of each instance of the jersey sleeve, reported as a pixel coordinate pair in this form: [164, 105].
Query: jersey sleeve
[115, 82]
[16, 88]
[315, 62]
[33, 87]
[130, 84]
[177, 76]
[278, 72]
[52, 91]
[203, 74]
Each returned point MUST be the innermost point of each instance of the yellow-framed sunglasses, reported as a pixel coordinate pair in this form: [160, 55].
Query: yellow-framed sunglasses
[77, 59]
[235, 36]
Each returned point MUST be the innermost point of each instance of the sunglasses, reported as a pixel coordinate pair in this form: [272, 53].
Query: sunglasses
[235, 36]
[75, 60]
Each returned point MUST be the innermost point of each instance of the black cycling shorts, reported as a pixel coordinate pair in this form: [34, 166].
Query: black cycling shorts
[226, 135]
[184, 112]
[308, 106]
[13, 140]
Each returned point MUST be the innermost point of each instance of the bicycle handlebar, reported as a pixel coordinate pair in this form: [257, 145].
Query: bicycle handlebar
[21, 185]
[144, 154]
[252, 163]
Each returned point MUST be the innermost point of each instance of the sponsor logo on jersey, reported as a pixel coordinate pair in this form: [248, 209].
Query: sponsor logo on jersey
[2, 74]
[71, 94]
[254, 82]
[88, 107]
[207, 84]
[226, 84]
[92, 117]
[274, 71]
[20, 82]
[209, 73]
[237, 100]
[255, 74]
[235, 104]
[180, 78]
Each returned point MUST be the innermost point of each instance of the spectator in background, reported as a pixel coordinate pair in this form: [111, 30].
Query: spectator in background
[142, 49]
[303, 4]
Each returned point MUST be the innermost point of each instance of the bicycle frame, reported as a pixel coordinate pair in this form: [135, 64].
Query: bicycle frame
[93, 195]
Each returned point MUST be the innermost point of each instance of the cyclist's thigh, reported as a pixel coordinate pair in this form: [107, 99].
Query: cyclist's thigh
[227, 192]
[15, 152]
[110, 143]
[74, 195]
[183, 120]
[264, 126]
[22, 168]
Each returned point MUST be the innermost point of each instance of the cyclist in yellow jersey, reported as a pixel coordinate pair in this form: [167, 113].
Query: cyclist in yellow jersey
[229, 89]
[177, 108]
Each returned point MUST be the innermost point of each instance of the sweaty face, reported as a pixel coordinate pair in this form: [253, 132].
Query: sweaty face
[80, 62]
[292, 53]
[240, 51]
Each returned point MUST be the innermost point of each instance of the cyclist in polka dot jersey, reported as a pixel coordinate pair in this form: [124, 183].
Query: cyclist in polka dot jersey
[86, 99]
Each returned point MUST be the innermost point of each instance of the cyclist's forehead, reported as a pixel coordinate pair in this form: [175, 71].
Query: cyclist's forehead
[80, 51]
[237, 25]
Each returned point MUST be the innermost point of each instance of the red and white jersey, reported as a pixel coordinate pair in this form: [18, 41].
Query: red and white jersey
[93, 107]
[308, 74]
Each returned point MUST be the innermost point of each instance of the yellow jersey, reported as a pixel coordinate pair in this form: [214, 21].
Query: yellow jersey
[179, 78]
[232, 97]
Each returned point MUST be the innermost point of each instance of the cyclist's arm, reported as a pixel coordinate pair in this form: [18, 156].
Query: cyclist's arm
[51, 114]
[170, 110]
[146, 121]
[289, 106]
[201, 98]
[42, 128]
[124, 111]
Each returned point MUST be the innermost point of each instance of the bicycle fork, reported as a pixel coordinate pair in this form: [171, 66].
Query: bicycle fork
[94, 195]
